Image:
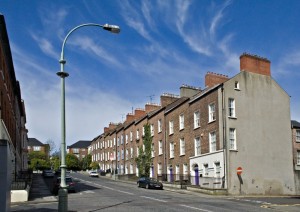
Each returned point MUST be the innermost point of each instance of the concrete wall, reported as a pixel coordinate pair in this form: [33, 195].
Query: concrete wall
[263, 135]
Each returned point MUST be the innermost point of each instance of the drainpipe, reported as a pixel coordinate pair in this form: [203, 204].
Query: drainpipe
[225, 154]
[165, 147]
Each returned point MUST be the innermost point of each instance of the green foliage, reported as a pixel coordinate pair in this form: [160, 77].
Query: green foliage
[38, 160]
[94, 165]
[39, 164]
[144, 159]
[85, 162]
[72, 162]
[55, 162]
[37, 155]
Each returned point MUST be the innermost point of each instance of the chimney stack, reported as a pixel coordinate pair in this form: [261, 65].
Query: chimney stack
[255, 64]
[212, 79]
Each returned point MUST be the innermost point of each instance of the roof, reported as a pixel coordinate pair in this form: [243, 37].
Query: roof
[80, 144]
[175, 104]
[34, 142]
[295, 124]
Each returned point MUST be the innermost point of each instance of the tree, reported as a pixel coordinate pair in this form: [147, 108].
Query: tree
[144, 160]
[72, 162]
[94, 165]
[55, 162]
[51, 146]
[86, 161]
[38, 160]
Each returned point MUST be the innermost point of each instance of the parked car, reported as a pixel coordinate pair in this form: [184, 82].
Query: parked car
[71, 185]
[147, 182]
[94, 174]
[48, 173]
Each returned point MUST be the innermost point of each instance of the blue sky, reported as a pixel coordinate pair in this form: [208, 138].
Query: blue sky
[162, 45]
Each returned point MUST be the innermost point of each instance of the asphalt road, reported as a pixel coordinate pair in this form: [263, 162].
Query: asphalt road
[101, 194]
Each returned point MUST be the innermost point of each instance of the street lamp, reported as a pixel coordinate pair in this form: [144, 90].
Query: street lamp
[63, 192]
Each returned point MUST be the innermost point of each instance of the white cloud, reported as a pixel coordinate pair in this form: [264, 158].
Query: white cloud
[45, 45]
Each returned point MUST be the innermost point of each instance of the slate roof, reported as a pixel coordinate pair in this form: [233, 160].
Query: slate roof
[175, 104]
[34, 142]
[295, 124]
[80, 144]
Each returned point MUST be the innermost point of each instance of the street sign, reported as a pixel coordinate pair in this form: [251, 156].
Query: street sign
[239, 170]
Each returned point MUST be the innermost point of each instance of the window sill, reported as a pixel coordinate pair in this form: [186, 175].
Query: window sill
[233, 150]
[181, 155]
[211, 121]
[237, 89]
[171, 133]
[181, 129]
[195, 128]
[232, 117]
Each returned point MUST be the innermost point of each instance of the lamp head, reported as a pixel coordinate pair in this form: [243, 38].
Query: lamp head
[112, 28]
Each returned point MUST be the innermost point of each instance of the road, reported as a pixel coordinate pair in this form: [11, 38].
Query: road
[101, 194]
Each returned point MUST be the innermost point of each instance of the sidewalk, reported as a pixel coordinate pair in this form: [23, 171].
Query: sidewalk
[39, 191]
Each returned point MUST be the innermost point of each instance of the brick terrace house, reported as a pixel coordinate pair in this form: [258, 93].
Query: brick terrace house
[80, 149]
[34, 145]
[296, 152]
[203, 135]
[13, 131]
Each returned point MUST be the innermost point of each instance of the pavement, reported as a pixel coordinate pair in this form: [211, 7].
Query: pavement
[41, 195]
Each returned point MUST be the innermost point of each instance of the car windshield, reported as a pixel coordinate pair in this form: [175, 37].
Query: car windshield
[153, 180]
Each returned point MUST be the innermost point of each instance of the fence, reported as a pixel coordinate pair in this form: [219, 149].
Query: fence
[23, 179]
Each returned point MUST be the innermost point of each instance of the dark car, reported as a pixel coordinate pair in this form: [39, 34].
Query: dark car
[48, 173]
[147, 182]
[71, 185]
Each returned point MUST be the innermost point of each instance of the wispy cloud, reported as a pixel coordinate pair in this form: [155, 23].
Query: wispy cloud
[45, 45]
[134, 19]
[88, 45]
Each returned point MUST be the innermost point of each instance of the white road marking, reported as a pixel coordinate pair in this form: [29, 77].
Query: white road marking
[199, 209]
[154, 199]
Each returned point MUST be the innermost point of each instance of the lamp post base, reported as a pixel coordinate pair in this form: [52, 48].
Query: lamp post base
[63, 200]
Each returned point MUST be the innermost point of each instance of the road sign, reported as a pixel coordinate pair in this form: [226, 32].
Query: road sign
[239, 170]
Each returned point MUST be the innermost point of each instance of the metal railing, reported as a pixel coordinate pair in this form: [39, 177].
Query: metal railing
[23, 179]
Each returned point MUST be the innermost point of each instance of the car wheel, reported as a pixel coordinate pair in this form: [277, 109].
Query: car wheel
[147, 186]
[139, 185]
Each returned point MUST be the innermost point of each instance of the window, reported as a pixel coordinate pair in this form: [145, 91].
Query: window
[131, 152]
[131, 168]
[237, 85]
[122, 139]
[205, 169]
[152, 129]
[185, 171]
[171, 150]
[211, 112]
[212, 142]
[75, 151]
[231, 107]
[118, 155]
[160, 147]
[196, 119]
[171, 127]
[152, 150]
[159, 169]
[181, 122]
[177, 172]
[143, 131]
[197, 146]
[137, 134]
[297, 135]
[122, 152]
[159, 126]
[36, 148]
[298, 157]
[114, 141]
[232, 139]
[118, 141]
[137, 151]
[126, 139]
[127, 154]
[182, 146]
[217, 169]
[130, 135]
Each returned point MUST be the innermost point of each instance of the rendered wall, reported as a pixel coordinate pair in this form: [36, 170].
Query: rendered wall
[263, 135]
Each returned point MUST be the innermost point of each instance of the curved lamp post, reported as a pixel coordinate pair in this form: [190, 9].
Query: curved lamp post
[63, 192]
